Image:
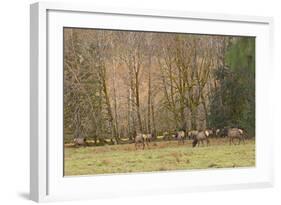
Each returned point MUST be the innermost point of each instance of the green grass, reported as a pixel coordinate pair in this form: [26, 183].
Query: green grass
[160, 156]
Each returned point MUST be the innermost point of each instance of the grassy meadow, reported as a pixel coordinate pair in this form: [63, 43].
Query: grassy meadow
[159, 156]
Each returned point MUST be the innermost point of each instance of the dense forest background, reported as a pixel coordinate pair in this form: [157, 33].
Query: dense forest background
[117, 83]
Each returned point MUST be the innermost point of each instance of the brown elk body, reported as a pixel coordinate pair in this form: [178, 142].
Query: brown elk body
[139, 140]
[192, 134]
[201, 137]
[180, 137]
[79, 141]
[143, 139]
[235, 133]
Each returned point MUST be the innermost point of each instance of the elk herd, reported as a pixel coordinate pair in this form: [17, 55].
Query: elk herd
[198, 137]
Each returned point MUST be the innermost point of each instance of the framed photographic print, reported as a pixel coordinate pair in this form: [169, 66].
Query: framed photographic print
[132, 102]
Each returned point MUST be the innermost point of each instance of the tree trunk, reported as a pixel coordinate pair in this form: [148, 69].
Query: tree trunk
[149, 103]
[153, 117]
[115, 101]
[129, 113]
[108, 107]
[193, 118]
[138, 100]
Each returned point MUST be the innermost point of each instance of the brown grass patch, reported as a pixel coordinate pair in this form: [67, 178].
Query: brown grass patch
[177, 156]
[106, 161]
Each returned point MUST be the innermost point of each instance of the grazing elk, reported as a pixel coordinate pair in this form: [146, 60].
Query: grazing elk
[192, 134]
[217, 133]
[180, 136]
[221, 132]
[166, 136]
[139, 140]
[211, 132]
[200, 138]
[143, 139]
[235, 133]
[80, 141]
[148, 138]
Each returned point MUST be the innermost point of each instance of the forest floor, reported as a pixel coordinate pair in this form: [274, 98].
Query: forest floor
[159, 156]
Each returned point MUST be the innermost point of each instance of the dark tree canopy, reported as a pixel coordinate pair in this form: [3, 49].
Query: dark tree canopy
[233, 102]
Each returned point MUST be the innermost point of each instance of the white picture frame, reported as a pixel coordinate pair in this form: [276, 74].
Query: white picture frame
[46, 163]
